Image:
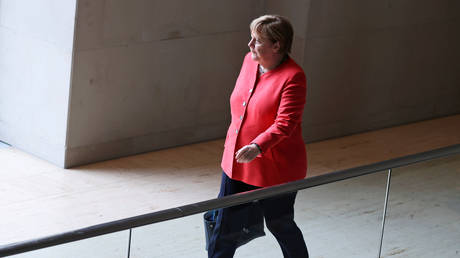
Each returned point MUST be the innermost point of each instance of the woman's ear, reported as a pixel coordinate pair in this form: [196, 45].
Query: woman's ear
[276, 47]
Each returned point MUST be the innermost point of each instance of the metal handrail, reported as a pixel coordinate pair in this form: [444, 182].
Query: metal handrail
[227, 201]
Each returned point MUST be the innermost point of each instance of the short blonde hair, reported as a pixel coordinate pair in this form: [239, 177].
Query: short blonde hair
[275, 28]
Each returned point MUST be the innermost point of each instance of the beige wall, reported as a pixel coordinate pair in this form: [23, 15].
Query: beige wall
[151, 74]
[374, 64]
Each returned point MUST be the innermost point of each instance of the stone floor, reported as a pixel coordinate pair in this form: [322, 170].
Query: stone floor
[40, 199]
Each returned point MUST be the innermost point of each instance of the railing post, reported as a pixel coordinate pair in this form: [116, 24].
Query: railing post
[129, 242]
[387, 193]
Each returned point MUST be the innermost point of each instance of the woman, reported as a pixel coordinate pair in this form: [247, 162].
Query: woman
[264, 144]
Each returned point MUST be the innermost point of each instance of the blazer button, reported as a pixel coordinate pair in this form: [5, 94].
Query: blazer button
[236, 131]
[250, 90]
[244, 103]
[241, 117]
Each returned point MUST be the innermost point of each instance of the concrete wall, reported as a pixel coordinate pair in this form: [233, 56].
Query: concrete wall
[153, 74]
[36, 40]
[374, 64]
[150, 74]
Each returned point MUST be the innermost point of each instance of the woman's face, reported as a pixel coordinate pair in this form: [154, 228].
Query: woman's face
[262, 49]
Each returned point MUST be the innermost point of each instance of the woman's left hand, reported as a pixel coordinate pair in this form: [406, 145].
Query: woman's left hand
[247, 153]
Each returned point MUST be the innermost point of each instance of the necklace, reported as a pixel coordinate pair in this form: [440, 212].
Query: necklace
[263, 70]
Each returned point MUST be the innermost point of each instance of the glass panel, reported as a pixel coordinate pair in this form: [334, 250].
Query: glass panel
[4, 145]
[106, 246]
[183, 237]
[423, 217]
[341, 219]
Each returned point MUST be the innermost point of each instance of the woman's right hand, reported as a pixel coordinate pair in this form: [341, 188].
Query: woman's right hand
[247, 154]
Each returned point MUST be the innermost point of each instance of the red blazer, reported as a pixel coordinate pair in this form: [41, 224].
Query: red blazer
[267, 111]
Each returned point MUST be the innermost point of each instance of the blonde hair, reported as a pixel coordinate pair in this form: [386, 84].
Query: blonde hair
[275, 28]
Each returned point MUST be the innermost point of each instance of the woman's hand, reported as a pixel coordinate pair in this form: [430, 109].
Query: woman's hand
[247, 153]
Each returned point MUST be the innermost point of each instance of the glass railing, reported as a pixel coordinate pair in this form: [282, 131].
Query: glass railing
[423, 217]
[182, 237]
[341, 214]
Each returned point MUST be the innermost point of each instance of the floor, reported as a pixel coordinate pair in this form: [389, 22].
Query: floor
[338, 220]
[39, 198]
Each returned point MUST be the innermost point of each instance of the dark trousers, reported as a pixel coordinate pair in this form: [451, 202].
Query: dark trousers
[278, 212]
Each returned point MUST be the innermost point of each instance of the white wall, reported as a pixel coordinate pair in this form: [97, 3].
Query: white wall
[36, 39]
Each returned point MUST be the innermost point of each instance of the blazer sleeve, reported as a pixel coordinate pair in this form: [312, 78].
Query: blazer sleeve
[289, 114]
